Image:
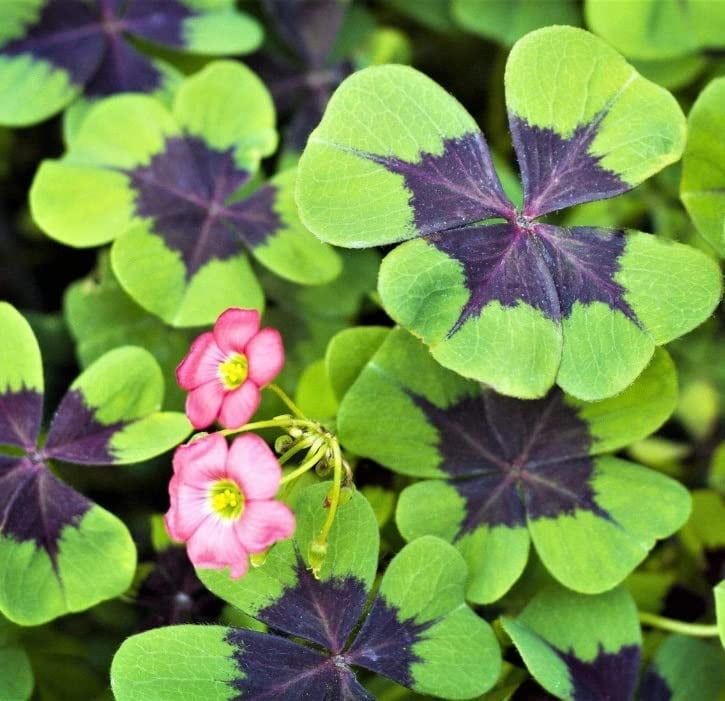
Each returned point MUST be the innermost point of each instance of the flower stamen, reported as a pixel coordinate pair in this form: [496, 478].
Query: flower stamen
[234, 371]
[227, 499]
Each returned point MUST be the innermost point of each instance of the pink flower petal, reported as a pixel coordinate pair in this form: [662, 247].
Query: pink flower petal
[253, 466]
[215, 545]
[239, 405]
[187, 512]
[264, 523]
[265, 354]
[204, 402]
[234, 328]
[200, 462]
[201, 363]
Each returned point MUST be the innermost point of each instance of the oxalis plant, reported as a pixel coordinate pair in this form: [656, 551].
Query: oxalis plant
[463, 466]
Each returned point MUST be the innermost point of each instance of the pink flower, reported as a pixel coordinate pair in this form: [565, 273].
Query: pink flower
[226, 367]
[222, 501]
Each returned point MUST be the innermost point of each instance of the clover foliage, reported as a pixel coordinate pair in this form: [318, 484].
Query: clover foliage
[57, 50]
[498, 294]
[54, 541]
[412, 630]
[500, 472]
[176, 193]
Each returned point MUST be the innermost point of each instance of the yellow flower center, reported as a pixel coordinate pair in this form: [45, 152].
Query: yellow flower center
[234, 370]
[227, 499]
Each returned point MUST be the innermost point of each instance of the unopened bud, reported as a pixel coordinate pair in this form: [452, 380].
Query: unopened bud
[323, 468]
[317, 554]
[283, 443]
[258, 559]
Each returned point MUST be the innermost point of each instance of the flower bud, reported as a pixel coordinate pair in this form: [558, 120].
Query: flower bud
[317, 554]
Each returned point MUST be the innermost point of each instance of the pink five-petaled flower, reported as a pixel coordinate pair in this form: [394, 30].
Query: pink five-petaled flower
[222, 501]
[226, 367]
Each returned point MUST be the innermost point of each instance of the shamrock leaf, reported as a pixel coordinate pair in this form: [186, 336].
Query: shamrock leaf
[52, 51]
[59, 551]
[569, 649]
[703, 178]
[165, 187]
[417, 629]
[506, 21]
[683, 668]
[658, 29]
[520, 304]
[499, 472]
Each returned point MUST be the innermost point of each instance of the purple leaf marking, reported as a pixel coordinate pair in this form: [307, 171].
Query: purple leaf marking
[521, 261]
[453, 189]
[20, 416]
[68, 36]
[610, 676]
[547, 267]
[89, 40]
[76, 436]
[325, 613]
[172, 593]
[36, 506]
[558, 172]
[511, 459]
[278, 669]
[185, 191]
[385, 643]
[653, 687]
[321, 611]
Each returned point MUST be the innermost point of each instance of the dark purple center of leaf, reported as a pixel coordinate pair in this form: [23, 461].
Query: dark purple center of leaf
[20, 416]
[185, 190]
[610, 676]
[653, 687]
[511, 459]
[322, 611]
[278, 669]
[385, 643]
[89, 41]
[34, 505]
[455, 188]
[173, 594]
[325, 613]
[558, 172]
[547, 267]
[77, 436]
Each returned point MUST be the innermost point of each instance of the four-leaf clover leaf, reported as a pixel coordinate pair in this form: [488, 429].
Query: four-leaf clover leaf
[409, 630]
[499, 294]
[54, 541]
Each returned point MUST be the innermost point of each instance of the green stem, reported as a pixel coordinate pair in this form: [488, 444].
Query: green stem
[279, 422]
[308, 464]
[288, 402]
[336, 487]
[699, 630]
